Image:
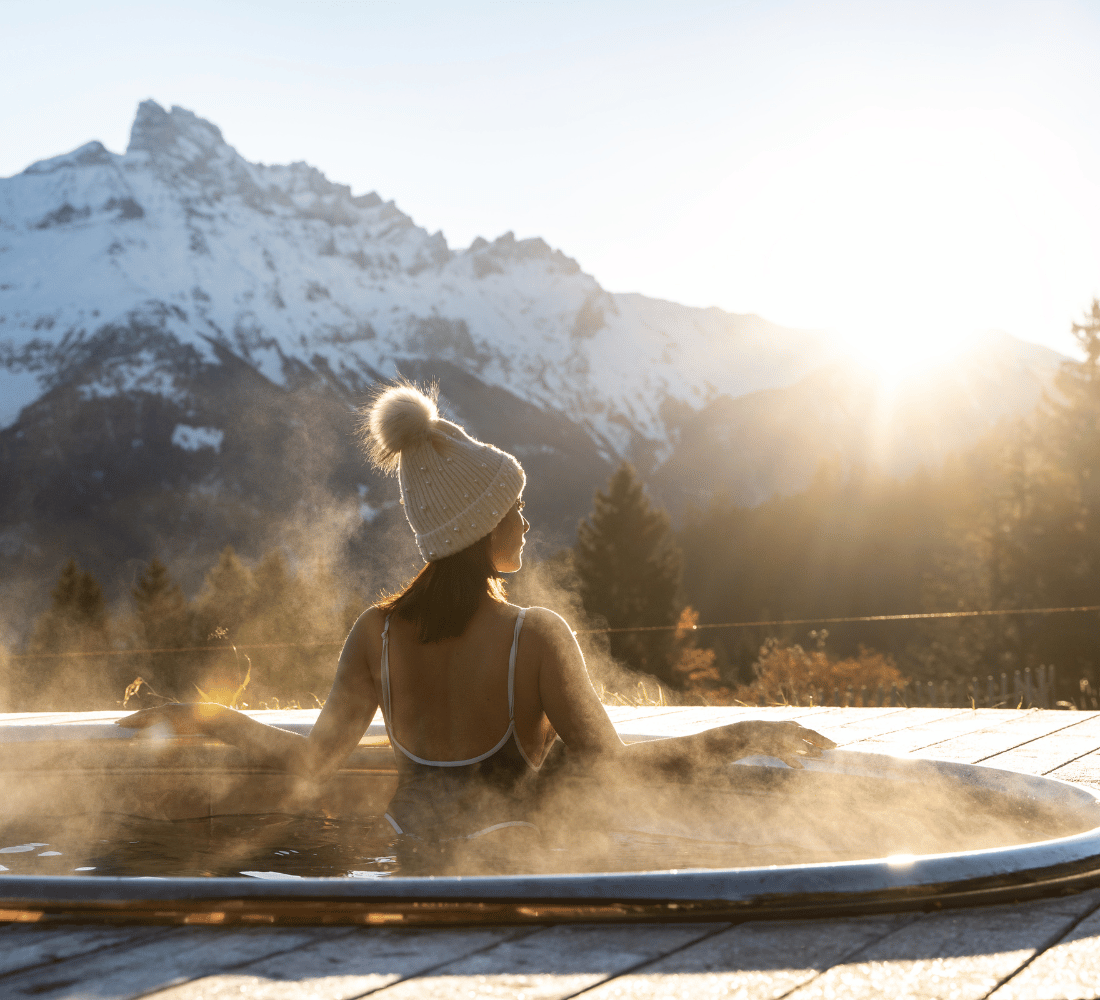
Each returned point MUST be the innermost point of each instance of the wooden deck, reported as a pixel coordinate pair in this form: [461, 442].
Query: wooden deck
[1039, 950]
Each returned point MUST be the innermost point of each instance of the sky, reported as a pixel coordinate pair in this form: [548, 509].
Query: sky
[906, 176]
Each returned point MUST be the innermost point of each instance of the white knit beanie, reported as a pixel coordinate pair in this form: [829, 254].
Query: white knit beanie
[455, 489]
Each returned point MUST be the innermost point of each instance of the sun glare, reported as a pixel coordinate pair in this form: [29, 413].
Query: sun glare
[905, 232]
[914, 217]
[900, 348]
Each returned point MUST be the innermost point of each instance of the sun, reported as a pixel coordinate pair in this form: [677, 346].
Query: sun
[896, 349]
[907, 233]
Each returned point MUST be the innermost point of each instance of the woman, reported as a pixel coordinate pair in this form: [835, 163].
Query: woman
[474, 691]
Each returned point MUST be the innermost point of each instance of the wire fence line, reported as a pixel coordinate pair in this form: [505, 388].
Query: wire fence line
[227, 648]
[860, 618]
[776, 623]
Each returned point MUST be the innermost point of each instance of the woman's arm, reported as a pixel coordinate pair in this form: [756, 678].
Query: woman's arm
[580, 719]
[347, 712]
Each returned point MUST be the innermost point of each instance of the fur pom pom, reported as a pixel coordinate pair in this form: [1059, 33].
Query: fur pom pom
[399, 418]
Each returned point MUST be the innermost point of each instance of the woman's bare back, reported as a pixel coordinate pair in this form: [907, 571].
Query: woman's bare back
[449, 699]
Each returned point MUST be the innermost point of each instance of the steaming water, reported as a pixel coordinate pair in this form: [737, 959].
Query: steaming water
[216, 846]
[754, 825]
[270, 846]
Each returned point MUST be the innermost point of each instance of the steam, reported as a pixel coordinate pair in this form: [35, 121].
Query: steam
[747, 816]
[590, 818]
[197, 812]
[552, 583]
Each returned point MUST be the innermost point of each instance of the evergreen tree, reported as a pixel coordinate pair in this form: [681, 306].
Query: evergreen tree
[8, 679]
[283, 612]
[156, 597]
[629, 570]
[77, 618]
[226, 599]
[222, 611]
[165, 623]
[1075, 442]
[75, 623]
[1054, 538]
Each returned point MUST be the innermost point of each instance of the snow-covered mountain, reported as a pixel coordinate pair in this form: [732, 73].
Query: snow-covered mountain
[183, 335]
[292, 273]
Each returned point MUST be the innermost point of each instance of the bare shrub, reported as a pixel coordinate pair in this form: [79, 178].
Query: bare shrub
[791, 675]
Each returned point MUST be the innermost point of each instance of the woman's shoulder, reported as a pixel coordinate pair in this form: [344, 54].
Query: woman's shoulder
[545, 622]
[537, 613]
[369, 624]
[374, 615]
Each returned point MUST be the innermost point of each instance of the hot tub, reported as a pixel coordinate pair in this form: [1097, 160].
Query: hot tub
[853, 832]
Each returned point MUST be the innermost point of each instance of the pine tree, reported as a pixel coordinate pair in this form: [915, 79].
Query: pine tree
[75, 623]
[1045, 531]
[1076, 432]
[156, 597]
[629, 570]
[1059, 536]
[226, 600]
[8, 678]
[283, 612]
[222, 611]
[77, 618]
[165, 623]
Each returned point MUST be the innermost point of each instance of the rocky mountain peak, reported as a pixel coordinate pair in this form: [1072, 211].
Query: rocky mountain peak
[91, 154]
[158, 131]
[490, 258]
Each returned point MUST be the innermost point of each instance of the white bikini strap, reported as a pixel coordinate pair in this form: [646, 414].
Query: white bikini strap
[512, 668]
[386, 677]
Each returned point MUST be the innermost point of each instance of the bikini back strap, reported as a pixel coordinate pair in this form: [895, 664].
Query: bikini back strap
[386, 676]
[512, 668]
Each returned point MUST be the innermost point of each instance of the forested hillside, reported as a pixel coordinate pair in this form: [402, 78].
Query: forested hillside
[1012, 525]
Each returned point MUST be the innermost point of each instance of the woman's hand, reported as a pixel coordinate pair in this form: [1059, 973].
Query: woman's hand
[787, 741]
[192, 718]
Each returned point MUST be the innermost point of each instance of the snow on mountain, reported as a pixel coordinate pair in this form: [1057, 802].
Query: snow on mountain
[184, 335]
[290, 272]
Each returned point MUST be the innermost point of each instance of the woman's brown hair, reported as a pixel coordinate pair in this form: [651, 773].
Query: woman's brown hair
[443, 597]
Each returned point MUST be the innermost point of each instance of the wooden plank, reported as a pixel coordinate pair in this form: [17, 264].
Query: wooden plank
[1085, 723]
[631, 715]
[1083, 771]
[344, 964]
[856, 717]
[754, 961]
[24, 946]
[1068, 971]
[935, 728]
[837, 715]
[554, 963]
[850, 725]
[674, 722]
[1047, 753]
[176, 957]
[855, 734]
[684, 721]
[692, 720]
[962, 954]
[975, 748]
